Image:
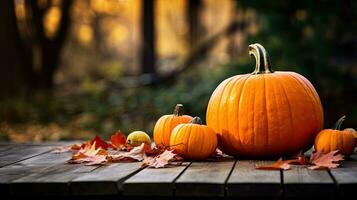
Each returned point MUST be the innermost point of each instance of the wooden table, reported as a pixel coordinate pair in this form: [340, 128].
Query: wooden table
[33, 170]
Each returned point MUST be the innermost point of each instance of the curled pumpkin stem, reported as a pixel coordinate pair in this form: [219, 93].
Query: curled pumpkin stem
[339, 122]
[262, 61]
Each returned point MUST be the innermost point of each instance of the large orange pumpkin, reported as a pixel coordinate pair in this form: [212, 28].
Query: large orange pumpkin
[166, 123]
[336, 139]
[194, 140]
[266, 113]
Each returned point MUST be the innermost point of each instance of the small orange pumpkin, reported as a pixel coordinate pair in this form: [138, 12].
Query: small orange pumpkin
[166, 123]
[194, 140]
[265, 113]
[335, 139]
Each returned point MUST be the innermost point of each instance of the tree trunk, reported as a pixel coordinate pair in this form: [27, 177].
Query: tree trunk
[50, 48]
[148, 58]
[194, 23]
[12, 70]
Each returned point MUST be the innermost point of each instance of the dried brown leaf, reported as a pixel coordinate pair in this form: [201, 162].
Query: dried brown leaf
[118, 140]
[324, 161]
[159, 161]
[137, 153]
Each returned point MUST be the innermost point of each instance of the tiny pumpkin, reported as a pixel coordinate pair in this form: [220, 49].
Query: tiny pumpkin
[166, 123]
[193, 140]
[336, 139]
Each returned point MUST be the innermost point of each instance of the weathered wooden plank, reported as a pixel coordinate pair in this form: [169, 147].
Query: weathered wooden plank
[40, 169]
[47, 159]
[22, 152]
[5, 147]
[246, 181]
[106, 180]
[346, 178]
[153, 182]
[204, 179]
[53, 180]
[300, 181]
[29, 166]
[9, 173]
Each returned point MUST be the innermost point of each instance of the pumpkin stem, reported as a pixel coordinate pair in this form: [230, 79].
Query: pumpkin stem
[178, 110]
[337, 125]
[196, 120]
[262, 60]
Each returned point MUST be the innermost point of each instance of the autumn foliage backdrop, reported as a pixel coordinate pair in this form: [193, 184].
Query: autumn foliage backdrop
[73, 69]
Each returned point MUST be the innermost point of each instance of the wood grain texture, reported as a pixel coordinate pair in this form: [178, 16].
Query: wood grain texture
[106, 180]
[22, 152]
[53, 180]
[12, 172]
[300, 181]
[204, 179]
[346, 178]
[246, 181]
[153, 182]
[29, 166]
[32, 169]
[5, 147]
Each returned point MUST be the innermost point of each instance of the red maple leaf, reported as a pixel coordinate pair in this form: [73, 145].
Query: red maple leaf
[100, 143]
[118, 140]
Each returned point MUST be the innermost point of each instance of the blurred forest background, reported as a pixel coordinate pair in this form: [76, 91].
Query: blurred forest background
[73, 69]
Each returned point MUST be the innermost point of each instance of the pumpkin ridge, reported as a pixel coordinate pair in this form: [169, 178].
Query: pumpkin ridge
[332, 138]
[197, 136]
[170, 126]
[222, 96]
[238, 106]
[287, 100]
[211, 106]
[189, 129]
[198, 130]
[233, 85]
[298, 81]
[159, 137]
[244, 88]
[342, 139]
[315, 97]
[274, 89]
[163, 128]
[179, 136]
[193, 137]
[266, 112]
[253, 94]
[217, 105]
[155, 132]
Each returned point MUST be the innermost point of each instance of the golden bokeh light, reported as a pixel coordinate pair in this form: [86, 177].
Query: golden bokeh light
[51, 21]
[118, 34]
[85, 34]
